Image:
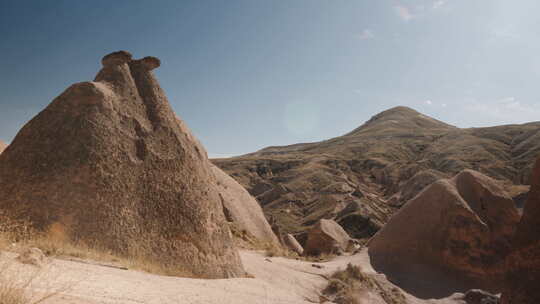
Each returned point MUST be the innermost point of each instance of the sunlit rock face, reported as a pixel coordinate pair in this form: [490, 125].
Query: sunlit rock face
[109, 164]
[3, 146]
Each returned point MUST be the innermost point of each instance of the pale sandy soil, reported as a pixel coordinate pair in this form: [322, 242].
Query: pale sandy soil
[279, 280]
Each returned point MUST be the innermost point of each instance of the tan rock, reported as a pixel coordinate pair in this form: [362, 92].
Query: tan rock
[456, 232]
[242, 208]
[108, 162]
[3, 146]
[326, 237]
[32, 256]
[290, 242]
[524, 262]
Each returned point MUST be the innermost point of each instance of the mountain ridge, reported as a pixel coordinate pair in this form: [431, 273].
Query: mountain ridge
[375, 168]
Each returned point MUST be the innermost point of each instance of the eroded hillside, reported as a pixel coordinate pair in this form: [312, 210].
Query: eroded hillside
[361, 178]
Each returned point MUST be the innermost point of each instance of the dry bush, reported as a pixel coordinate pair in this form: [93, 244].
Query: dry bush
[346, 287]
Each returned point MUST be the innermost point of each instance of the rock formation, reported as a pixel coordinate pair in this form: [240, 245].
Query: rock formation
[108, 164]
[326, 237]
[242, 209]
[3, 146]
[292, 244]
[522, 284]
[456, 232]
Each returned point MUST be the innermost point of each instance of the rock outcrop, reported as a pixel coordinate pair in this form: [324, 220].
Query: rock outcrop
[3, 146]
[292, 244]
[242, 209]
[326, 237]
[522, 284]
[108, 164]
[456, 232]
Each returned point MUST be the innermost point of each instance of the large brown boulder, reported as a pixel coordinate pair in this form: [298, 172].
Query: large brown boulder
[456, 233]
[326, 237]
[523, 281]
[108, 164]
[242, 209]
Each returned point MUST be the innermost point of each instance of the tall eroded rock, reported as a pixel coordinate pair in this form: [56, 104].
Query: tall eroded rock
[456, 232]
[524, 262]
[107, 163]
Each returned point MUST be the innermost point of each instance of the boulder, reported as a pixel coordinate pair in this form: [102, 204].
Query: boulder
[326, 237]
[523, 264]
[478, 296]
[290, 242]
[242, 209]
[456, 232]
[32, 256]
[109, 162]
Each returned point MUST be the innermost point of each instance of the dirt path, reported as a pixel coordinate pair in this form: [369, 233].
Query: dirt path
[277, 280]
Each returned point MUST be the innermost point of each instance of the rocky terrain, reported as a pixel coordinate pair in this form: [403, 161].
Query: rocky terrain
[106, 190]
[3, 146]
[361, 178]
[523, 264]
[109, 165]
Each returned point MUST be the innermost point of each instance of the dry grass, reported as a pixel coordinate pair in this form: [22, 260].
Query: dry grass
[55, 243]
[63, 248]
[347, 286]
[15, 286]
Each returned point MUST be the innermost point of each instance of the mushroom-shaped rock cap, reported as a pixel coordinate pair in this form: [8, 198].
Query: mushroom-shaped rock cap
[150, 62]
[116, 58]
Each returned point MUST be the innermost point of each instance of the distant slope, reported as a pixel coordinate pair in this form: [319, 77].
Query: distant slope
[362, 177]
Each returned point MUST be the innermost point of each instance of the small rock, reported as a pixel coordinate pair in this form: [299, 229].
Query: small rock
[317, 266]
[32, 256]
[477, 296]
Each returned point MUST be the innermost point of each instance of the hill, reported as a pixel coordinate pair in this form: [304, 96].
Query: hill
[361, 178]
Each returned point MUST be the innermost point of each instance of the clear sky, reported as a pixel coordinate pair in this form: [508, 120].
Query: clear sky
[249, 74]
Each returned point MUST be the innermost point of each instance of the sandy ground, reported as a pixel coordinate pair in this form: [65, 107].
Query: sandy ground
[277, 280]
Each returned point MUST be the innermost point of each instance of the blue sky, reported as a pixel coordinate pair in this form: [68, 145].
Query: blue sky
[249, 74]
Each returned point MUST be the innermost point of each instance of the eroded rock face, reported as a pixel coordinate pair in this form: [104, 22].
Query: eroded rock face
[3, 146]
[242, 209]
[107, 163]
[522, 284]
[326, 237]
[456, 232]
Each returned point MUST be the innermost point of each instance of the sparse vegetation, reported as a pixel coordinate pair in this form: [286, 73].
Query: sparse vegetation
[15, 288]
[346, 287]
[55, 243]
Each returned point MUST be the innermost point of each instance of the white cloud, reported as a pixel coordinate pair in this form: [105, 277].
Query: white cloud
[221, 155]
[366, 34]
[403, 12]
[507, 110]
[439, 3]
[444, 105]
[428, 102]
